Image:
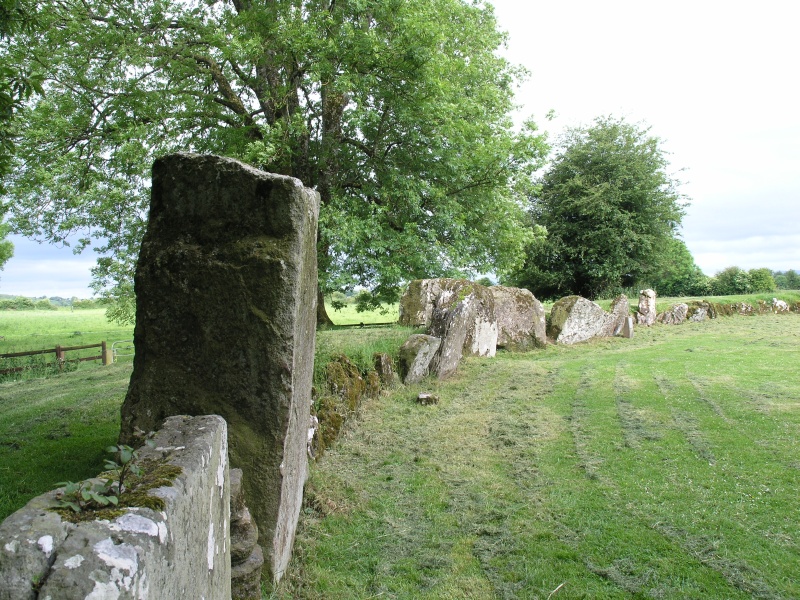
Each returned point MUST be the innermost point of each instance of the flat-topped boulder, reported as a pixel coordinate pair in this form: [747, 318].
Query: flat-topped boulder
[575, 319]
[520, 319]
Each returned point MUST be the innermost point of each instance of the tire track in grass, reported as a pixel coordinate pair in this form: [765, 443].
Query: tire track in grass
[685, 421]
[589, 462]
[635, 427]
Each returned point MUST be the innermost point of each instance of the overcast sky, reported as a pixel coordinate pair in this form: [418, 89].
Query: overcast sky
[717, 81]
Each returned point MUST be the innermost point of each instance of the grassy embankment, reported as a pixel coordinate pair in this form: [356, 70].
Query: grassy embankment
[663, 466]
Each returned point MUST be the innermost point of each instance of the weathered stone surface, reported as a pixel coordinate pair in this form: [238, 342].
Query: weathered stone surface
[699, 311]
[520, 319]
[415, 357]
[226, 289]
[646, 314]
[464, 320]
[615, 321]
[418, 301]
[246, 577]
[178, 552]
[779, 306]
[675, 315]
[345, 381]
[627, 328]
[244, 536]
[574, 319]
[384, 367]
[426, 399]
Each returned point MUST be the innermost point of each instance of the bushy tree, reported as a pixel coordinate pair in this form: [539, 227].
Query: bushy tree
[396, 111]
[677, 274]
[761, 280]
[789, 280]
[16, 86]
[610, 208]
[731, 281]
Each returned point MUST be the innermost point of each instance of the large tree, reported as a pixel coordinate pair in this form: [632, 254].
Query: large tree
[396, 111]
[610, 208]
[16, 86]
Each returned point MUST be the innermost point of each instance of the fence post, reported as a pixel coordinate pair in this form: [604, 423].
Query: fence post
[108, 354]
[60, 357]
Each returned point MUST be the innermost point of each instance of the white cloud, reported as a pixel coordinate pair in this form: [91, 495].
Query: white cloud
[42, 270]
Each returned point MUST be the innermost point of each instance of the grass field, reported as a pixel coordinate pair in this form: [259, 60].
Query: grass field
[666, 466]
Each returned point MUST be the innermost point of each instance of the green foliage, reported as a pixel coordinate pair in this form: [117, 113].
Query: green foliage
[676, 273]
[790, 280]
[397, 112]
[87, 495]
[609, 207]
[761, 280]
[19, 303]
[730, 281]
[6, 247]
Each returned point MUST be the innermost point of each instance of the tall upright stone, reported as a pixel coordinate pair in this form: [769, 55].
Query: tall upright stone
[646, 315]
[226, 292]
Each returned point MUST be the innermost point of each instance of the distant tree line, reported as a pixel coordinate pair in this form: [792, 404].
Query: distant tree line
[53, 303]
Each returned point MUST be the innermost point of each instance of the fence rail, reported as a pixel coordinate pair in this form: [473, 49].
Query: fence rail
[365, 325]
[61, 359]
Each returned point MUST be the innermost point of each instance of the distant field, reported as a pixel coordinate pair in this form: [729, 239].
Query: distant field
[350, 316]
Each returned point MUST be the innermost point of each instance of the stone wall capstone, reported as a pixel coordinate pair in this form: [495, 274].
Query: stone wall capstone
[226, 289]
[180, 551]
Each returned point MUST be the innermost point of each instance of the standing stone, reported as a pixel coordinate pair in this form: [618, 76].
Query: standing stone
[647, 308]
[415, 357]
[574, 319]
[675, 315]
[627, 328]
[384, 366]
[620, 311]
[464, 319]
[226, 289]
[520, 319]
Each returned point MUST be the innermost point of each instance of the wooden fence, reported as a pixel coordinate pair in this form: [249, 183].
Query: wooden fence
[61, 359]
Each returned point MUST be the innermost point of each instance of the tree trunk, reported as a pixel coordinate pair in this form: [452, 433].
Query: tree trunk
[323, 320]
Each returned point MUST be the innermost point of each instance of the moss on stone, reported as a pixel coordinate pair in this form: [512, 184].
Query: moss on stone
[155, 474]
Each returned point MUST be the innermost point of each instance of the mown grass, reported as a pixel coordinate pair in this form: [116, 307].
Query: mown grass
[665, 466]
[55, 429]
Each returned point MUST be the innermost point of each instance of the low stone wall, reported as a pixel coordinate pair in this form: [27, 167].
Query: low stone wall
[179, 551]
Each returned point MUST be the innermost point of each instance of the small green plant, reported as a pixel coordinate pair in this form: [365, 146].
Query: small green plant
[90, 495]
[87, 495]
